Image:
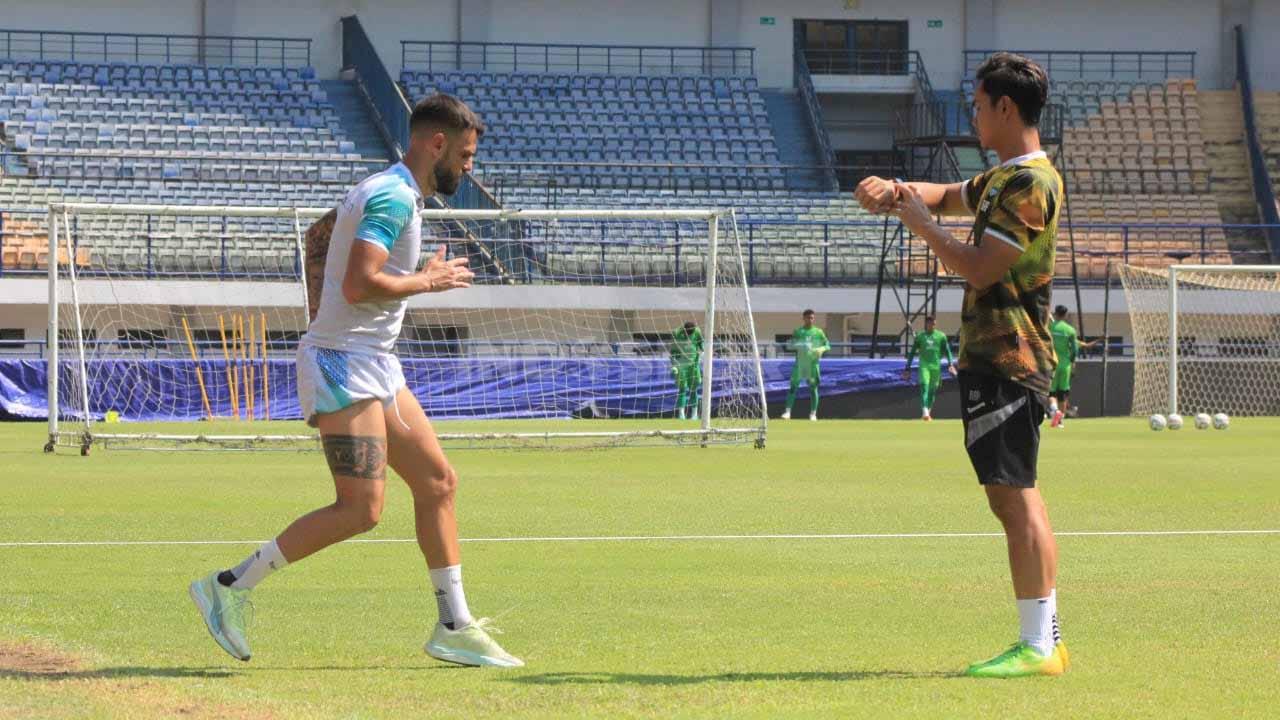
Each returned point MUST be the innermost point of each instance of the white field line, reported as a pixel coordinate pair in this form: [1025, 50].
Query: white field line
[656, 538]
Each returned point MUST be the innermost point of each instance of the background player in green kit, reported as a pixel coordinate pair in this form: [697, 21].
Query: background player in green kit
[930, 345]
[809, 343]
[686, 352]
[1067, 345]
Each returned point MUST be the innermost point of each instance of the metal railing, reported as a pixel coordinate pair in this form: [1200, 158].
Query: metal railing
[954, 118]
[871, 62]
[313, 170]
[577, 59]
[1095, 64]
[804, 85]
[154, 49]
[861, 62]
[503, 176]
[388, 103]
[1263, 192]
[818, 253]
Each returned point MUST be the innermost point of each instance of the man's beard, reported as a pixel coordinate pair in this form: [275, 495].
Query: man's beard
[446, 182]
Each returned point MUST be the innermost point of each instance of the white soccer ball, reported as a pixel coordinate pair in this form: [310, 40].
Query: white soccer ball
[1175, 421]
[1158, 422]
[1203, 421]
[1221, 421]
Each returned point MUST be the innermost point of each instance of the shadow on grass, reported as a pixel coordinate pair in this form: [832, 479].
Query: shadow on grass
[571, 678]
[115, 673]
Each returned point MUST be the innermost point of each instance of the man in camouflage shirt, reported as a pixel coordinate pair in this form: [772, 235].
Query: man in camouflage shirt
[1007, 356]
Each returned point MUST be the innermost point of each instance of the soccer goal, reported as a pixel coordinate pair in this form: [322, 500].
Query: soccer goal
[1206, 338]
[175, 327]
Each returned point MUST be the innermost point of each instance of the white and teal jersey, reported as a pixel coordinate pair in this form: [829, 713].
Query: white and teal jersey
[384, 209]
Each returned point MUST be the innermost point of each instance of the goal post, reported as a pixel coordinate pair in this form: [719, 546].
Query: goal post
[164, 315]
[1206, 338]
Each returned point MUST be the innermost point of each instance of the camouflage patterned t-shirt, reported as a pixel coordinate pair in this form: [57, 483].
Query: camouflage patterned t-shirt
[1004, 329]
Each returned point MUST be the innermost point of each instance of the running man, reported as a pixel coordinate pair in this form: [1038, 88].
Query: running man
[1006, 351]
[351, 387]
[686, 368]
[809, 344]
[930, 345]
[1067, 345]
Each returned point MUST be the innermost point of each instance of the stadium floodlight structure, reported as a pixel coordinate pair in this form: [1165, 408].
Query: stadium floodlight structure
[1206, 338]
[162, 314]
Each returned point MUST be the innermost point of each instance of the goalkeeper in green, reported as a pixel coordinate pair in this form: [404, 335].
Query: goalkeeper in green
[930, 345]
[686, 370]
[809, 343]
[1067, 345]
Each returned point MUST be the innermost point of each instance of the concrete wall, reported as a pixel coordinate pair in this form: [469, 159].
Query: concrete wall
[940, 48]
[1264, 54]
[1108, 25]
[1016, 24]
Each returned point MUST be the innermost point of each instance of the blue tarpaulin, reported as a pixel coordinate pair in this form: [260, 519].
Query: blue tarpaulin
[489, 387]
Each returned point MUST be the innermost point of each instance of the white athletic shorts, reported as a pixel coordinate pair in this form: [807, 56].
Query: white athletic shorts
[330, 380]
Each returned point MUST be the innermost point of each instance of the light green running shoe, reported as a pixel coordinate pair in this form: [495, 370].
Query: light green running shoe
[223, 610]
[471, 646]
[1022, 660]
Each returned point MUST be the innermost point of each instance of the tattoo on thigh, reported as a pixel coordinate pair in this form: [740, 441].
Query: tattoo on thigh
[358, 456]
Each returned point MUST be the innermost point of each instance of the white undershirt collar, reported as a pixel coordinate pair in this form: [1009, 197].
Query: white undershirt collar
[1024, 158]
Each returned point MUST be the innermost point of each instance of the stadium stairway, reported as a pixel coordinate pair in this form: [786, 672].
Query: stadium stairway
[1222, 123]
[1267, 111]
[791, 131]
[353, 114]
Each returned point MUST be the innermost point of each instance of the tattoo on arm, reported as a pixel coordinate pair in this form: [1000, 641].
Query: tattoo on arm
[358, 456]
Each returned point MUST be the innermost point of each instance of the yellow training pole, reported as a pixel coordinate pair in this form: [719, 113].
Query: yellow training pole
[266, 395]
[204, 395]
[240, 362]
[231, 378]
[253, 361]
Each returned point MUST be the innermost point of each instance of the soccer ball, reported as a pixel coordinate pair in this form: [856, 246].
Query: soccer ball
[1203, 421]
[1175, 421]
[1158, 422]
[1221, 421]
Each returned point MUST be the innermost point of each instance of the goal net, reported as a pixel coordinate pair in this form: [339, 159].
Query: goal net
[176, 328]
[1206, 338]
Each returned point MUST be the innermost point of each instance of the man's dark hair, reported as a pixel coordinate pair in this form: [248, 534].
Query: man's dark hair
[1018, 78]
[689, 326]
[1060, 311]
[444, 112]
[928, 318]
[807, 311]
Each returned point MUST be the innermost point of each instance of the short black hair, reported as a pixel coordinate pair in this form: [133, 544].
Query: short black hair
[689, 325]
[928, 318]
[1060, 310]
[1018, 78]
[807, 311]
[445, 112]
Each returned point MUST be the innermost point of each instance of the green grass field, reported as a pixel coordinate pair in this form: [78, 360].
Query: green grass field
[1159, 625]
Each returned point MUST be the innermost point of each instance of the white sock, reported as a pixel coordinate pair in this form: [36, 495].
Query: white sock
[264, 561]
[450, 599]
[1039, 620]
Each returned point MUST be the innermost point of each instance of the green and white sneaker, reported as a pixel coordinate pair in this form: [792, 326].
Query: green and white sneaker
[223, 611]
[471, 646]
[1022, 660]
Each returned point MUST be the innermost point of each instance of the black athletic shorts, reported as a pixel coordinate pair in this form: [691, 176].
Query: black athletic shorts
[1001, 429]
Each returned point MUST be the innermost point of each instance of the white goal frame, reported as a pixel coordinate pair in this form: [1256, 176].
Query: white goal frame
[61, 238]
